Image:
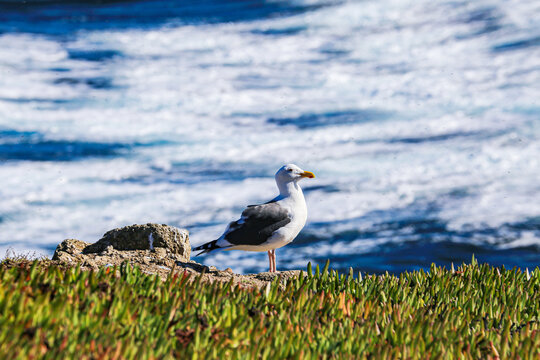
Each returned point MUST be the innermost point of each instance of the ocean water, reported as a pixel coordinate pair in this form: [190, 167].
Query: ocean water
[421, 120]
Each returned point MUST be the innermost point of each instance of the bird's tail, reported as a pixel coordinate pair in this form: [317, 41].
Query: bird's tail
[209, 246]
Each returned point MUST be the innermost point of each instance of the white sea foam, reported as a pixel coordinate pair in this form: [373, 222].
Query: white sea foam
[459, 133]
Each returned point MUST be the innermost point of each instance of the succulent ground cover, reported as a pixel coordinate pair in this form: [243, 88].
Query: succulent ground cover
[476, 311]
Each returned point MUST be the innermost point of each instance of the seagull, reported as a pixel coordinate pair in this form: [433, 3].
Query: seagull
[271, 225]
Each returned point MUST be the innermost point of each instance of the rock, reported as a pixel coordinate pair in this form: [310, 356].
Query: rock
[146, 237]
[69, 250]
[285, 275]
[147, 245]
[155, 249]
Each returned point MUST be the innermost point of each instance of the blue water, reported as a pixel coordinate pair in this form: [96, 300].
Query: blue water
[420, 119]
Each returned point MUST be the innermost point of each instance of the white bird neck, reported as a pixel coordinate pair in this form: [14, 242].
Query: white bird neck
[290, 189]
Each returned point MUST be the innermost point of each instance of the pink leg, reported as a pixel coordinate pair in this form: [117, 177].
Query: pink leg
[270, 259]
[274, 259]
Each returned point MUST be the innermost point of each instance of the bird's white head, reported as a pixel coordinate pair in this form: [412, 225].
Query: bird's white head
[292, 173]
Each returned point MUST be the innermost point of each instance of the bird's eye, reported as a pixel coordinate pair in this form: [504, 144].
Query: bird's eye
[289, 170]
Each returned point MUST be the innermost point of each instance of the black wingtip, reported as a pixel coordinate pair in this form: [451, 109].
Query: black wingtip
[201, 253]
[206, 248]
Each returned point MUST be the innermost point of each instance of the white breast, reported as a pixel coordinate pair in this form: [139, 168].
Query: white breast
[288, 233]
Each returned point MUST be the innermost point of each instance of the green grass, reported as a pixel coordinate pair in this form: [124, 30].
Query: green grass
[476, 312]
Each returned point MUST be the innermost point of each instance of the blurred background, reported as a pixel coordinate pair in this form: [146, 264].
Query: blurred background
[421, 120]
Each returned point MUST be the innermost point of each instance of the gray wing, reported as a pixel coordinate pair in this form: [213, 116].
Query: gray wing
[257, 224]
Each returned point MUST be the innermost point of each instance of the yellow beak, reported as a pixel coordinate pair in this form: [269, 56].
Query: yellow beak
[307, 174]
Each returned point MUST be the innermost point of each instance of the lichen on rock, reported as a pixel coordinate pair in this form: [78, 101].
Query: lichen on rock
[69, 250]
